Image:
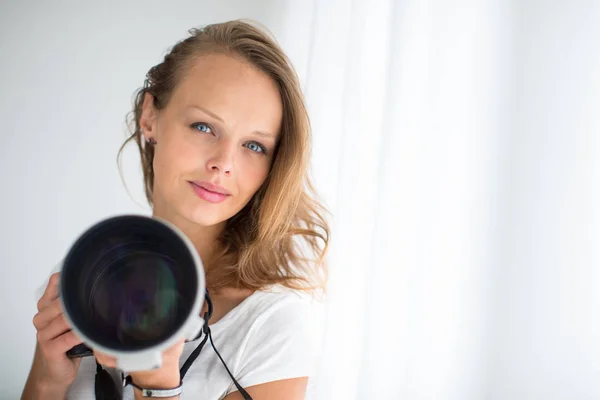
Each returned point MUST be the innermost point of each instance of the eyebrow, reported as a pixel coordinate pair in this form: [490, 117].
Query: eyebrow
[215, 116]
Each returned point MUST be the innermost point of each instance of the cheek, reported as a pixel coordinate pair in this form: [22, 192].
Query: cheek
[172, 160]
[250, 180]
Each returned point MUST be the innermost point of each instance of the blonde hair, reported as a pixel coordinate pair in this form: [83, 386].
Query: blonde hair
[281, 236]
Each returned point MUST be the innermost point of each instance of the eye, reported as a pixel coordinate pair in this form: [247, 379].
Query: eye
[202, 127]
[256, 147]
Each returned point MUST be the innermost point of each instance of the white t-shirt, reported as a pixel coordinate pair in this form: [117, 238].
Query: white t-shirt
[269, 336]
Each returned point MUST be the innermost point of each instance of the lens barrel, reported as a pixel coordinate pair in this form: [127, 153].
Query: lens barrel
[132, 283]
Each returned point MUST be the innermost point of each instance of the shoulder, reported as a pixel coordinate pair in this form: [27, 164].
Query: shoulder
[280, 341]
[271, 316]
[283, 314]
[278, 304]
[272, 307]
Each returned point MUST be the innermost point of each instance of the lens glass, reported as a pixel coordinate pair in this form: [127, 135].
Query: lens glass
[129, 283]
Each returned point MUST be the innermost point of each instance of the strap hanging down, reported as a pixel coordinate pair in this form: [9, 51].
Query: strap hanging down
[196, 352]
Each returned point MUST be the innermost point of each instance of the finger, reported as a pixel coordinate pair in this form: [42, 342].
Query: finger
[58, 347]
[175, 348]
[179, 345]
[174, 352]
[51, 292]
[54, 329]
[105, 360]
[42, 319]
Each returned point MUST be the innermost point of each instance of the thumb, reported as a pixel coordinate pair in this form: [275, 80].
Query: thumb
[76, 361]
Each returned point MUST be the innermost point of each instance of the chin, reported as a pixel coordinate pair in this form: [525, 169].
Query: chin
[206, 216]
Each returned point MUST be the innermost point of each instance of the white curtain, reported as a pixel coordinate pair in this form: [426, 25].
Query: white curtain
[456, 145]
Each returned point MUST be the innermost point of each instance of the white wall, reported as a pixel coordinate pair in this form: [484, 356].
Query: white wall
[68, 71]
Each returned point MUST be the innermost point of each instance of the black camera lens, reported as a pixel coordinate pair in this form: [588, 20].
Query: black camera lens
[129, 283]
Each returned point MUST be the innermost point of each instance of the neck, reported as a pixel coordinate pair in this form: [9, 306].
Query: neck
[204, 238]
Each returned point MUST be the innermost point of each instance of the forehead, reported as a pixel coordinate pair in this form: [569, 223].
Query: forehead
[232, 88]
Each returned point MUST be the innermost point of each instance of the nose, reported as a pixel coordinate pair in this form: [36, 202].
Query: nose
[221, 161]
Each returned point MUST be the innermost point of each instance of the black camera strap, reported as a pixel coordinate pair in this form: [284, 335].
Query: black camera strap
[196, 352]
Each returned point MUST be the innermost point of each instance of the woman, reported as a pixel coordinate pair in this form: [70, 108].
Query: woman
[224, 140]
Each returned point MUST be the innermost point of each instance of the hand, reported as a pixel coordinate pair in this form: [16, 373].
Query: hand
[165, 377]
[55, 338]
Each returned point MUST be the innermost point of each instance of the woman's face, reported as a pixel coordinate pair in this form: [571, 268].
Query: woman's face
[215, 140]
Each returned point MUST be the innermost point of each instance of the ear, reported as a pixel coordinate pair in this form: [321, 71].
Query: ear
[148, 119]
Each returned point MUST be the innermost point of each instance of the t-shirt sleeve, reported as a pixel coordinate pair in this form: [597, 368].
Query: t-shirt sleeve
[284, 346]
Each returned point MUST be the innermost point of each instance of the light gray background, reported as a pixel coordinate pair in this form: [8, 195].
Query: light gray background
[68, 71]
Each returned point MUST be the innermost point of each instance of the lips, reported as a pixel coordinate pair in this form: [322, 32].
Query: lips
[209, 192]
[212, 187]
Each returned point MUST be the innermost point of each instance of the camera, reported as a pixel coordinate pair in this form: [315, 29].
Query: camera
[131, 286]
